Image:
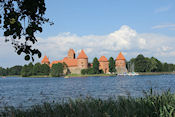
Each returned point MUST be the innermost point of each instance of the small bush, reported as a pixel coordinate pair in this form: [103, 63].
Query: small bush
[87, 71]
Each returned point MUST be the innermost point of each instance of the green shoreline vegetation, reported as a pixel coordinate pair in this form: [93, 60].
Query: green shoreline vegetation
[150, 105]
[90, 75]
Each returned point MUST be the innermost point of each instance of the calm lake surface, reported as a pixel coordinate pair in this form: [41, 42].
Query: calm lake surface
[25, 92]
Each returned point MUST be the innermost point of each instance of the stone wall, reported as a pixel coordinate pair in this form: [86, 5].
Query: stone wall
[120, 63]
[104, 66]
[121, 67]
[82, 63]
[74, 70]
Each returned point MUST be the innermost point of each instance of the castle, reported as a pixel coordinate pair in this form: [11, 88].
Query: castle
[75, 65]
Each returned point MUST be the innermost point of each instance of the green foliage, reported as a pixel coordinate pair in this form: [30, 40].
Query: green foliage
[57, 70]
[112, 65]
[151, 105]
[45, 69]
[84, 71]
[158, 65]
[141, 64]
[21, 19]
[96, 66]
[41, 69]
[3, 72]
[27, 70]
[36, 69]
[168, 67]
[16, 70]
[101, 71]
[90, 71]
[144, 64]
[87, 71]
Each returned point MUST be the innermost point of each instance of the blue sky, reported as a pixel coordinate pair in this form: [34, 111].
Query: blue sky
[104, 27]
[104, 16]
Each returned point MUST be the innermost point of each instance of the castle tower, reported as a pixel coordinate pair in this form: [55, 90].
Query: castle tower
[120, 64]
[82, 60]
[71, 54]
[104, 64]
[45, 60]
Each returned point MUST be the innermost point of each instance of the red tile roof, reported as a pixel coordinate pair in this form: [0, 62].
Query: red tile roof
[103, 59]
[45, 60]
[120, 57]
[55, 62]
[70, 62]
[82, 55]
[71, 50]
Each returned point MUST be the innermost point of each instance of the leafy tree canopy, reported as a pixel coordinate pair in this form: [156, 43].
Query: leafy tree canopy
[112, 65]
[27, 70]
[3, 72]
[20, 20]
[96, 66]
[36, 69]
[57, 70]
[16, 70]
[45, 69]
[145, 64]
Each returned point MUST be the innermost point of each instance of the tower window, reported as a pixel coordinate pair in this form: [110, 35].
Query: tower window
[74, 56]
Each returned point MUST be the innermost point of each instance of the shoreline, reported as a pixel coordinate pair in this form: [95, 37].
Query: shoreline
[90, 75]
[155, 73]
[105, 75]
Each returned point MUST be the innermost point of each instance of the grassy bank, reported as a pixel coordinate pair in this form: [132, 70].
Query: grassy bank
[90, 75]
[87, 75]
[155, 73]
[140, 73]
[41, 76]
[12, 76]
[37, 76]
[152, 105]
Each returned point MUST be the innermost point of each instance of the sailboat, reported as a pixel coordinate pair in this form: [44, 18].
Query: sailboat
[131, 70]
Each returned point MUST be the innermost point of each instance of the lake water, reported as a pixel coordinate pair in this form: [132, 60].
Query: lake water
[28, 91]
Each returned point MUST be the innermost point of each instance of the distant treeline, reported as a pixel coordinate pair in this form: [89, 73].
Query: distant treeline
[138, 64]
[16, 70]
[145, 64]
[33, 70]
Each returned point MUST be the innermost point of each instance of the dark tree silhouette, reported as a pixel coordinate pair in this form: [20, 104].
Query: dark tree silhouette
[112, 65]
[20, 20]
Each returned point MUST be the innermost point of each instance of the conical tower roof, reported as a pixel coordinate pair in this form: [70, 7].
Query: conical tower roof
[103, 59]
[82, 55]
[120, 56]
[71, 50]
[45, 59]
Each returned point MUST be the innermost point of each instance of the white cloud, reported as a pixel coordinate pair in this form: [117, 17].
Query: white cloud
[162, 26]
[126, 40]
[163, 9]
[142, 43]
